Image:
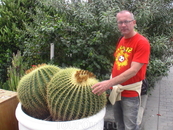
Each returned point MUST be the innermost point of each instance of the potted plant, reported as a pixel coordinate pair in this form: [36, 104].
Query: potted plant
[55, 98]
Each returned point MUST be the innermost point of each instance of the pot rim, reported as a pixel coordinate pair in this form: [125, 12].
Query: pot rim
[32, 122]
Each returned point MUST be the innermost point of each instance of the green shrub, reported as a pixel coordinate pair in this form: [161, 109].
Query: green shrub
[15, 71]
[160, 60]
[84, 34]
[13, 15]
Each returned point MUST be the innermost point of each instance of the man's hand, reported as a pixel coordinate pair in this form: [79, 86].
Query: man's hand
[101, 87]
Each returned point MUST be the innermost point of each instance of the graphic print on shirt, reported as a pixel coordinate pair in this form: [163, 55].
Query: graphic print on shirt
[122, 54]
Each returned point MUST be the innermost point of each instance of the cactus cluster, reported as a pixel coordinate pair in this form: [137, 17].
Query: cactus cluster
[32, 90]
[65, 94]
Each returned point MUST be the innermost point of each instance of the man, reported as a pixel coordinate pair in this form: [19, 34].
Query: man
[131, 59]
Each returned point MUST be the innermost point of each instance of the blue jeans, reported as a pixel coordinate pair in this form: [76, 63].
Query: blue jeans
[126, 112]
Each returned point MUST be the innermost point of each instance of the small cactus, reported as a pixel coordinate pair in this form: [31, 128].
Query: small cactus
[32, 91]
[70, 95]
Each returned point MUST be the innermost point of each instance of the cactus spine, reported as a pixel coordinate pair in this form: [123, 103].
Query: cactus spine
[70, 96]
[32, 91]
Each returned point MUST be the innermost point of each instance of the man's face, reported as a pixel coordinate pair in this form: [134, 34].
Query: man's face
[125, 23]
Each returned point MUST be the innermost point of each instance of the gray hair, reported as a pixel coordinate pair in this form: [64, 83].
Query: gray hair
[125, 11]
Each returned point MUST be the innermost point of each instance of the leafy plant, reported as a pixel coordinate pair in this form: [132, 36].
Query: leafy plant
[13, 15]
[84, 34]
[160, 60]
[15, 72]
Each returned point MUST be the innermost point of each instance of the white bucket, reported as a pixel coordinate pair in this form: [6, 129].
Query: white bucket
[95, 122]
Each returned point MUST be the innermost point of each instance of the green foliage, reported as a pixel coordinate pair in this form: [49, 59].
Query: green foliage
[32, 90]
[154, 17]
[158, 45]
[4, 63]
[84, 37]
[13, 14]
[15, 72]
[160, 60]
[84, 34]
[70, 95]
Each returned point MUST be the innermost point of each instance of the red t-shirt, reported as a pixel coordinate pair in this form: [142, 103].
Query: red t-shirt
[137, 49]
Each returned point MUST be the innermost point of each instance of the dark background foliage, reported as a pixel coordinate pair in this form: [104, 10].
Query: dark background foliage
[84, 34]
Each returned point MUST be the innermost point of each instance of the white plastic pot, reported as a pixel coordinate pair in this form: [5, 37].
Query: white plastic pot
[25, 122]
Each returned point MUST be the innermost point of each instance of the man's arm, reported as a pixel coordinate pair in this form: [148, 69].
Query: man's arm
[100, 87]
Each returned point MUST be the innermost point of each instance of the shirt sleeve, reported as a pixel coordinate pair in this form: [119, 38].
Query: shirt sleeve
[142, 52]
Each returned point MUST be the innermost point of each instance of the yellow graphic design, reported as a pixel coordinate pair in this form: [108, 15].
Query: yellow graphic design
[122, 56]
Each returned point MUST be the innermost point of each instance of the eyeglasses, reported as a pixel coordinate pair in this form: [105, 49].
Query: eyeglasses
[125, 22]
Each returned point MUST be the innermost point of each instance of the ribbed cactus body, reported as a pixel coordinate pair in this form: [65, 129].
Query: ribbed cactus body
[32, 90]
[70, 95]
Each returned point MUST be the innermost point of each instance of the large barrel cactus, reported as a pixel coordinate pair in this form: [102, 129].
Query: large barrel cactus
[70, 95]
[32, 91]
